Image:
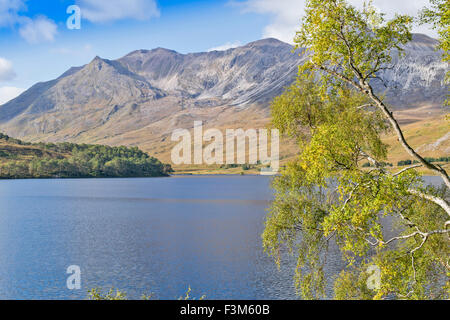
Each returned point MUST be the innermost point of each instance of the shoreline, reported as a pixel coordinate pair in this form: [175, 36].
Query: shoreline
[175, 175]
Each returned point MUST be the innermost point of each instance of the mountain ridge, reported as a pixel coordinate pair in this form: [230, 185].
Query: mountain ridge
[140, 98]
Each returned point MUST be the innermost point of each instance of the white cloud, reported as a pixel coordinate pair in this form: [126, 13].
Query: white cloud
[103, 11]
[410, 7]
[226, 46]
[9, 93]
[38, 30]
[285, 15]
[6, 70]
[8, 11]
[32, 30]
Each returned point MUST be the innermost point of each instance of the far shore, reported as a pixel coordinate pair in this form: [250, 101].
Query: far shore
[256, 171]
[205, 171]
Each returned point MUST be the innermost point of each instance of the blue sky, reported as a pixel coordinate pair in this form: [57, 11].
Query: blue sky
[36, 45]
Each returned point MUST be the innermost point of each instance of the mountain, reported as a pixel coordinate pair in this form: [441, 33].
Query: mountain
[252, 73]
[142, 97]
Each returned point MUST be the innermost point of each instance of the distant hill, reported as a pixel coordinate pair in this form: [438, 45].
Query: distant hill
[20, 159]
[139, 99]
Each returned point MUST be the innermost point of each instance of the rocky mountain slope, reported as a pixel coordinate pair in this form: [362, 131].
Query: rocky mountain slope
[417, 79]
[142, 97]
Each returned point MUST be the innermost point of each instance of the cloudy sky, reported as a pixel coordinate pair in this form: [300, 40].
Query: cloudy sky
[36, 45]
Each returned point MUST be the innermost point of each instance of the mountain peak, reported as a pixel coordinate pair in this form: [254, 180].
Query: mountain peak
[422, 43]
[97, 59]
[97, 64]
[420, 37]
[267, 42]
[155, 51]
[161, 49]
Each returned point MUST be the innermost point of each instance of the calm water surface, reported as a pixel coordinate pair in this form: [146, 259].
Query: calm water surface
[157, 235]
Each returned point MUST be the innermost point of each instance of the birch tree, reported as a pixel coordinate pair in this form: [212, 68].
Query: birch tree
[325, 196]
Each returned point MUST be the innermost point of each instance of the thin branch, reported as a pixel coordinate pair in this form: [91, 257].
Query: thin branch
[424, 235]
[336, 74]
[372, 160]
[425, 238]
[365, 106]
[406, 169]
[401, 237]
[409, 223]
[349, 196]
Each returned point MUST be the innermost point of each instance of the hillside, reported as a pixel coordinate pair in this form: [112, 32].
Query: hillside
[429, 136]
[20, 159]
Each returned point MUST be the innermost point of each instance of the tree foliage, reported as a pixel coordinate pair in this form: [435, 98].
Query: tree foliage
[69, 160]
[438, 15]
[325, 198]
